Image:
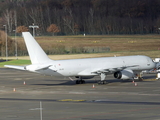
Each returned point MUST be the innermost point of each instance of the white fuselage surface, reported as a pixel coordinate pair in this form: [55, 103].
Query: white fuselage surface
[88, 67]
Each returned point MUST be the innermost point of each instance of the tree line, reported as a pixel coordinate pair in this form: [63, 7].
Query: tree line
[72, 17]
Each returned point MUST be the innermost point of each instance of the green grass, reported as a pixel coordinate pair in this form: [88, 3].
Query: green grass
[15, 62]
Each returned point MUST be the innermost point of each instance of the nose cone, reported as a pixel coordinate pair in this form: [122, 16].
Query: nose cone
[152, 65]
[158, 65]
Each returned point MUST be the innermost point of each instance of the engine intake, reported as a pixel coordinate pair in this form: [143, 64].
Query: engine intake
[124, 74]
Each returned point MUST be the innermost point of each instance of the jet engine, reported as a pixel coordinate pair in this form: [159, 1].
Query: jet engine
[124, 74]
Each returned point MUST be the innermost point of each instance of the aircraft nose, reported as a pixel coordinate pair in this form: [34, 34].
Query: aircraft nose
[153, 64]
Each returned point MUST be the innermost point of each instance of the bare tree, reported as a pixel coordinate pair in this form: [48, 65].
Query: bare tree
[91, 20]
[68, 19]
[76, 28]
[15, 18]
[33, 15]
[26, 19]
[9, 16]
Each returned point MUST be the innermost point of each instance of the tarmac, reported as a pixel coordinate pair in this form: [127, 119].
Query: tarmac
[30, 96]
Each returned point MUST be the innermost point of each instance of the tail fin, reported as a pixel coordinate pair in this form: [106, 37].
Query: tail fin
[36, 54]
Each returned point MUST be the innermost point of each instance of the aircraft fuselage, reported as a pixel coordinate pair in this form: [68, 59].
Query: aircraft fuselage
[86, 67]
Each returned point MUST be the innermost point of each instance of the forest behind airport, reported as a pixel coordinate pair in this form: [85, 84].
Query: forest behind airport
[72, 17]
[108, 26]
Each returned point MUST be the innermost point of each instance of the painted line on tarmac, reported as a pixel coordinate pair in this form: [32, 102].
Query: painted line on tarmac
[150, 79]
[44, 100]
[71, 100]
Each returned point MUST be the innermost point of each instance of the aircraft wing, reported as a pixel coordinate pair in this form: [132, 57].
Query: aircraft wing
[15, 67]
[111, 70]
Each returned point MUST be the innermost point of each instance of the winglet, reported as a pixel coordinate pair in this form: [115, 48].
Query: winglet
[36, 54]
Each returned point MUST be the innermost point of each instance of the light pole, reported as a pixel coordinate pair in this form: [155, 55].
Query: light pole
[33, 27]
[16, 54]
[41, 110]
[6, 42]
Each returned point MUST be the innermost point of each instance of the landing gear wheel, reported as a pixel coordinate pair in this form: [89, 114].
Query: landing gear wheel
[77, 82]
[84, 81]
[102, 82]
[105, 82]
[80, 81]
[140, 78]
[99, 82]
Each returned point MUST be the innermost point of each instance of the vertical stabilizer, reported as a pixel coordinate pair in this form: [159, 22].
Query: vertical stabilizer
[36, 54]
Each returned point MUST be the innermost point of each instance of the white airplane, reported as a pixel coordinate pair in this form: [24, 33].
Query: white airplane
[125, 67]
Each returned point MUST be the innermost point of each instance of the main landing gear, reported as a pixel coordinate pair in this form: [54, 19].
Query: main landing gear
[80, 81]
[102, 82]
[138, 77]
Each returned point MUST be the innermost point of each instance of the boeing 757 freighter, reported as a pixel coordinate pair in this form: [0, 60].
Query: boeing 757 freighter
[125, 67]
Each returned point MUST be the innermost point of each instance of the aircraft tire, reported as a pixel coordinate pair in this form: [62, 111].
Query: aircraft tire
[80, 81]
[102, 82]
[77, 81]
[140, 78]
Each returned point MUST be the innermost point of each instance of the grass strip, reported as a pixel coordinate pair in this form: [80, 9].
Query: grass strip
[15, 62]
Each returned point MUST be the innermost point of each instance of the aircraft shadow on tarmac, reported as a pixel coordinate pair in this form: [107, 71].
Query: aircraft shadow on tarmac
[64, 82]
[70, 83]
[92, 81]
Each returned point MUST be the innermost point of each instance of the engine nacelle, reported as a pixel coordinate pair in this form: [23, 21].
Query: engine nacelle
[124, 74]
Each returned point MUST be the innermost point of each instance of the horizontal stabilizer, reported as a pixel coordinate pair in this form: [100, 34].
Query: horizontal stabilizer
[15, 67]
[42, 67]
[37, 67]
